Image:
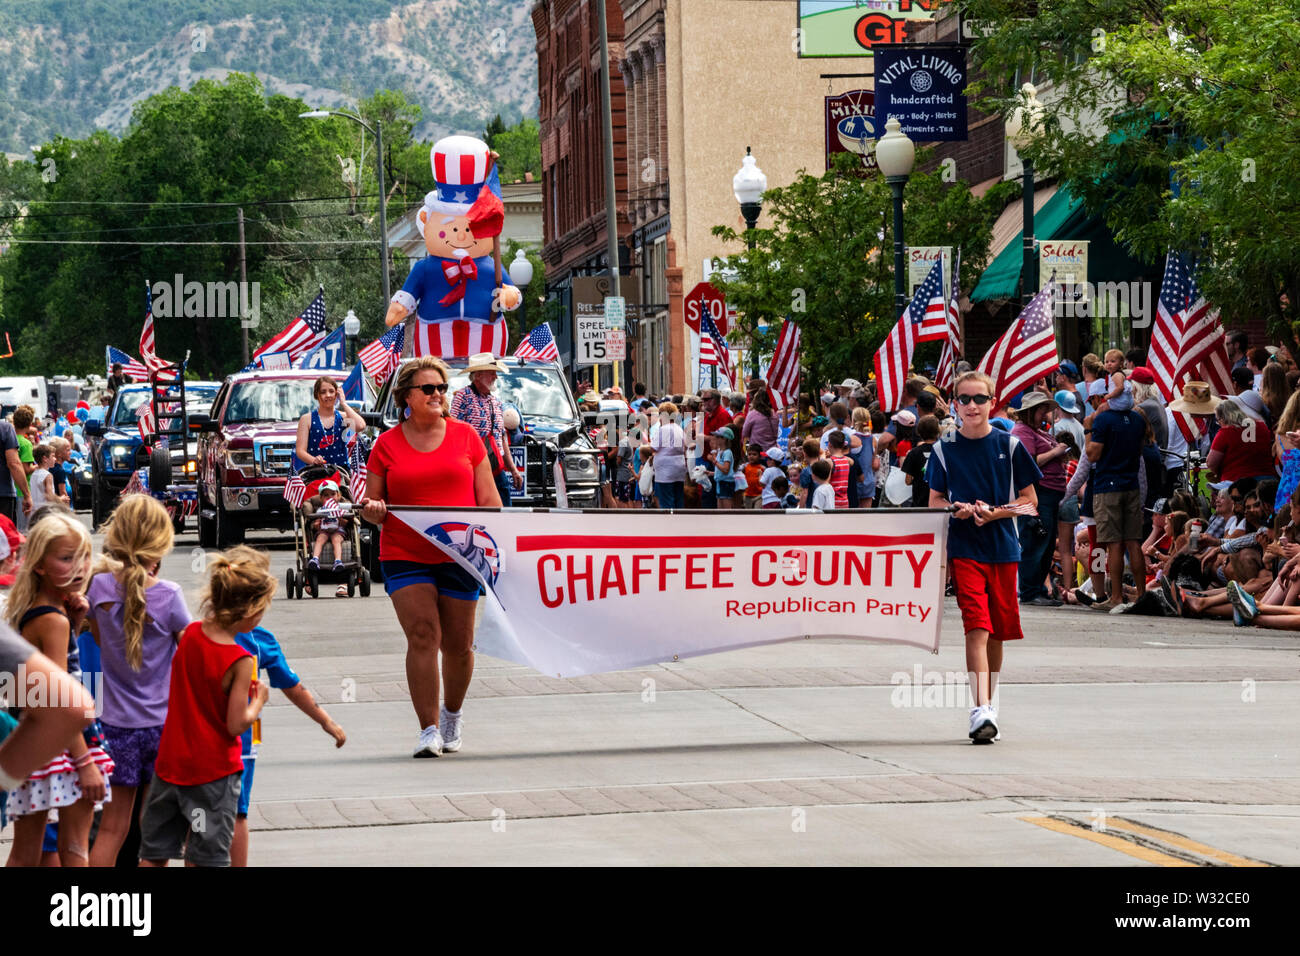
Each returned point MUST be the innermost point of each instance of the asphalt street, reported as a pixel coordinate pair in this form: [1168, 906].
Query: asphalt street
[1127, 741]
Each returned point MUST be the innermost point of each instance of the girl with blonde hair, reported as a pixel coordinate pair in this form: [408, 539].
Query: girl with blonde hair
[136, 619]
[46, 606]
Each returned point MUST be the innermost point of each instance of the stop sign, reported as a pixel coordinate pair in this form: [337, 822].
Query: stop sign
[705, 292]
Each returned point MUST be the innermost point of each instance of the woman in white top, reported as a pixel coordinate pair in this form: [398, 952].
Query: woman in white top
[668, 445]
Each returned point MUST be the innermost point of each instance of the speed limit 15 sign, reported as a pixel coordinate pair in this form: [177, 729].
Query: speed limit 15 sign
[590, 340]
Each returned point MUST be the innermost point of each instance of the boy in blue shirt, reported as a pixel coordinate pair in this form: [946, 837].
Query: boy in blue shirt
[262, 644]
[987, 477]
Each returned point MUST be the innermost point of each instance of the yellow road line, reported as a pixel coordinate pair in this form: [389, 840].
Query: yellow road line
[1182, 842]
[1146, 854]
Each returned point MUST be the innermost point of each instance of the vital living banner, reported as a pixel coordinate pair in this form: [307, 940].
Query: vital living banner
[572, 593]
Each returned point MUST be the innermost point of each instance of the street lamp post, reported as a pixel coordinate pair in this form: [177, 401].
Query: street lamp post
[378, 132]
[521, 273]
[1022, 127]
[351, 329]
[748, 187]
[895, 155]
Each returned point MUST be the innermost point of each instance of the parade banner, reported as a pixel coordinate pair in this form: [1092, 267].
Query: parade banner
[573, 593]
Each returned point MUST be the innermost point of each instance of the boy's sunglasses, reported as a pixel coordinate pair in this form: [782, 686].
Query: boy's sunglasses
[977, 399]
[439, 389]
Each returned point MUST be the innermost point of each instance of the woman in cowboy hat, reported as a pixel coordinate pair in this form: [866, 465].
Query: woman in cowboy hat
[477, 407]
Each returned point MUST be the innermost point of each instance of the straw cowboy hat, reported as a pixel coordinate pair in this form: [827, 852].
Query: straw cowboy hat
[483, 362]
[1196, 399]
[1033, 400]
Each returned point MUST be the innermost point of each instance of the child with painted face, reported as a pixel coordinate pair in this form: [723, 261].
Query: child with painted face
[985, 476]
[47, 606]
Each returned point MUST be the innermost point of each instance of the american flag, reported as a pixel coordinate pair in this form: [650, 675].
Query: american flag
[131, 368]
[539, 345]
[952, 347]
[783, 373]
[713, 347]
[1026, 351]
[1186, 329]
[934, 321]
[144, 415]
[301, 335]
[895, 353]
[295, 491]
[383, 355]
[330, 508]
[1024, 510]
[148, 352]
[357, 466]
[1216, 370]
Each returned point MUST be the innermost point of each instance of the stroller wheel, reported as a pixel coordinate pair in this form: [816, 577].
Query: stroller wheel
[297, 585]
[352, 585]
[289, 583]
[364, 585]
[313, 584]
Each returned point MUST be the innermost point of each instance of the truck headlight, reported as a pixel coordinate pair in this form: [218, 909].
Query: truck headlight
[191, 467]
[580, 468]
[239, 459]
[120, 456]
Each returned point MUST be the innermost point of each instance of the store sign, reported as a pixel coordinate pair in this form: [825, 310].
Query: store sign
[851, 126]
[855, 27]
[924, 86]
[1069, 260]
[920, 260]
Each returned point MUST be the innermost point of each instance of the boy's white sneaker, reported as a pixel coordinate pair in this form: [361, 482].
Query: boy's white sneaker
[450, 724]
[430, 744]
[983, 726]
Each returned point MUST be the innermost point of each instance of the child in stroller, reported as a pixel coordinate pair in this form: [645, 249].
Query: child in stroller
[325, 506]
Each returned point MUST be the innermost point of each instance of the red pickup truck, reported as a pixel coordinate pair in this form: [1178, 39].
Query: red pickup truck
[246, 453]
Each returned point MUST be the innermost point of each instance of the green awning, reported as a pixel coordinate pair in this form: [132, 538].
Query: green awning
[1001, 280]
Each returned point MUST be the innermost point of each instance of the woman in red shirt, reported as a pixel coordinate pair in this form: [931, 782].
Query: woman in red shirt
[1243, 445]
[429, 459]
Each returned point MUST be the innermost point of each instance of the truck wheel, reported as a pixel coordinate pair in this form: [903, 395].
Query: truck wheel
[99, 508]
[228, 531]
[207, 531]
[160, 469]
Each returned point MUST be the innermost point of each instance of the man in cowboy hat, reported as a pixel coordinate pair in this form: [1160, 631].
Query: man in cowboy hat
[477, 407]
[1198, 404]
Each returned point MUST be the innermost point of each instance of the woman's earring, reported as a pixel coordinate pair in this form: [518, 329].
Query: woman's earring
[406, 412]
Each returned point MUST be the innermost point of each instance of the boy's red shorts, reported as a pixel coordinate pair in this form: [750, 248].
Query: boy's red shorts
[987, 596]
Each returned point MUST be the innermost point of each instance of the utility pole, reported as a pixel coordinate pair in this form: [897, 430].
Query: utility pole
[607, 128]
[243, 284]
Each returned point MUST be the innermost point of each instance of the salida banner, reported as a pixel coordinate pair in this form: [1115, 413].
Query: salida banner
[572, 593]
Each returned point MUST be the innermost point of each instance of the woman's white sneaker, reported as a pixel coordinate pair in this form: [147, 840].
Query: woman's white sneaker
[983, 726]
[449, 724]
[430, 743]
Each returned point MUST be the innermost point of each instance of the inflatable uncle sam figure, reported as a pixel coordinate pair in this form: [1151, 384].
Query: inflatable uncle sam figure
[456, 291]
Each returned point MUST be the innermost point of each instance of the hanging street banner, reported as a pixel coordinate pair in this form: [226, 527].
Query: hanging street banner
[851, 126]
[1068, 258]
[920, 260]
[856, 27]
[924, 85]
[573, 593]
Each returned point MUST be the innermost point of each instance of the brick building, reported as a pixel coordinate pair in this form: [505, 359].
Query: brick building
[573, 160]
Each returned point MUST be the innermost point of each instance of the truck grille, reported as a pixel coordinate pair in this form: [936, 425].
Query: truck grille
[276, 461]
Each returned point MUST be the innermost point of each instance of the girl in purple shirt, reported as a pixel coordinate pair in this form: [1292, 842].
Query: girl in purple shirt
[136, 618]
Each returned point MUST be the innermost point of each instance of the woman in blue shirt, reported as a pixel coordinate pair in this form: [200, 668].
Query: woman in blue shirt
[320, 443]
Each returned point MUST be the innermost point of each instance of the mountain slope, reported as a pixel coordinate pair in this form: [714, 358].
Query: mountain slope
[70, 66]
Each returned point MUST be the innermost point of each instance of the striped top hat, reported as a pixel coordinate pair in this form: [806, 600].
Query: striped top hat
[462, 167]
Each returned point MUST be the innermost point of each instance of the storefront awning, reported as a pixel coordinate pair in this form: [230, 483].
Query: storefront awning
[1001, 280]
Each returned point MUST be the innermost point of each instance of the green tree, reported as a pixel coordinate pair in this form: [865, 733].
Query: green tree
[495, 125]
[827, 261]
[520, 149]
[1176, 121]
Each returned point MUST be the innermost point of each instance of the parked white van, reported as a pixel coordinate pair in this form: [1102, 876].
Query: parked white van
[23, 390]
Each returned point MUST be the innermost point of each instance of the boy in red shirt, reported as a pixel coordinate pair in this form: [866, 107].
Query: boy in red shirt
[197, 776]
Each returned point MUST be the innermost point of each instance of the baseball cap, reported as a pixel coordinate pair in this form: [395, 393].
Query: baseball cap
[1098, 388]
[1142, 375]
[726, 433]
[1220, 485]
[1070, 369]
[850, 383]
[328, 485]
[904, 417]
[775, 453]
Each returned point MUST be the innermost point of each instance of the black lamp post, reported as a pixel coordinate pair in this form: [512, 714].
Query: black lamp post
[895, 155]
[748, 186]
[1022, 127]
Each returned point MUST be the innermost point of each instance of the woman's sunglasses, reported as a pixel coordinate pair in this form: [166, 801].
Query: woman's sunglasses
[977, 399]
[438, 389]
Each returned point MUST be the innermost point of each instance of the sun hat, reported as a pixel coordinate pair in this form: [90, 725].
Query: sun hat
[849, 383]
[1068, 401]
[483, 362]
[1251, 403]
[1033, 400]
[1196, 400]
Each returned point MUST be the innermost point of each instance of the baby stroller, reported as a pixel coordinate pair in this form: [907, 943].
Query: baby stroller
[306, 524]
